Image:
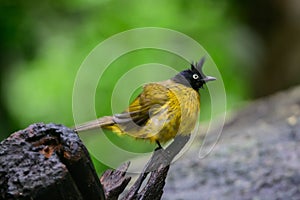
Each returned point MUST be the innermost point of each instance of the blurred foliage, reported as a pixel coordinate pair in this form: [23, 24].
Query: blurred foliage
[46, 41]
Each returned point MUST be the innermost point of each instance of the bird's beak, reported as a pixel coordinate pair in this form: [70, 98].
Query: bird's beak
[209, 78]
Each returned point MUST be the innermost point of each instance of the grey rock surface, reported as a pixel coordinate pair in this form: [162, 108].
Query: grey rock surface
[256, 158]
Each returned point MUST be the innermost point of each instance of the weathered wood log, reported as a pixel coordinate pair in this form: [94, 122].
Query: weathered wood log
[47, 161]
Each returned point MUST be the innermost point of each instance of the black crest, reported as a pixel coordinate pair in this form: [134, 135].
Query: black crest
[197, 67]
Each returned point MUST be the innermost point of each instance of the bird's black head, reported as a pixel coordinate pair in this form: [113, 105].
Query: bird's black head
[193, 77]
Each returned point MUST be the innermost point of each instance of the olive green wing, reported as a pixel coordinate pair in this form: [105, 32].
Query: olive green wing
[148, 103]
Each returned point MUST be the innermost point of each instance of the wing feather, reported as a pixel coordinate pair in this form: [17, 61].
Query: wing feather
[149, 102]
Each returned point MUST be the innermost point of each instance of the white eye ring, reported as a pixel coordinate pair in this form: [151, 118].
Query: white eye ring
[195, 76]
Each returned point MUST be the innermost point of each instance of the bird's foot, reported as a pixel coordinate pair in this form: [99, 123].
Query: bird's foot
[159, 146]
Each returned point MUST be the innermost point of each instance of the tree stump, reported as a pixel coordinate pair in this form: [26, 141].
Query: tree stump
[47, 161]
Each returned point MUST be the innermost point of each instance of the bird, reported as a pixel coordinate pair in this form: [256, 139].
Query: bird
[161, 111]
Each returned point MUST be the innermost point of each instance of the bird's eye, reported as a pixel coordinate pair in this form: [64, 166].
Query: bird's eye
[195, 76]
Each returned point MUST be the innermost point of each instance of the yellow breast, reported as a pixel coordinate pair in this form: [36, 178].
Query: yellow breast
[178, 116]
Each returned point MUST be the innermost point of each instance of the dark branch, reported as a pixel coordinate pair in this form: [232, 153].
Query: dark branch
[158, 166]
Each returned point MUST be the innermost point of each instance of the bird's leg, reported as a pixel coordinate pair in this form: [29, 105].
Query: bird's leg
[159, 146]
[163, 156]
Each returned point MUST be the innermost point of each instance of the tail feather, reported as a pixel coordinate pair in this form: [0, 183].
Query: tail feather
[95, 124]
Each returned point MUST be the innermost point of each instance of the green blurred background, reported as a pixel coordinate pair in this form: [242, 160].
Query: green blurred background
[255, 44]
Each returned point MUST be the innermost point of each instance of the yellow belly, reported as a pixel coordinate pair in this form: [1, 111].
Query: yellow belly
[177, 117]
